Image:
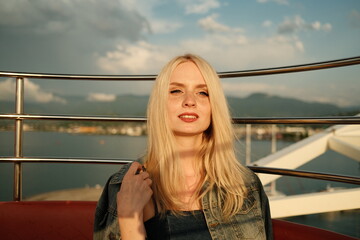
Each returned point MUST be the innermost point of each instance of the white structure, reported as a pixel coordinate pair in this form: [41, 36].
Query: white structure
[342, 139]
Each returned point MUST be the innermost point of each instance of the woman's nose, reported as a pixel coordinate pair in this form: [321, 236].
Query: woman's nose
[189, 100]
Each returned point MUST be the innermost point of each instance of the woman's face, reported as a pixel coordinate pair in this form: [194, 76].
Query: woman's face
[188, 106]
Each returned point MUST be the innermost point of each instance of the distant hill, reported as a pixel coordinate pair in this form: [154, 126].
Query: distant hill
[124, 105]
[255, 105]
[264, 105]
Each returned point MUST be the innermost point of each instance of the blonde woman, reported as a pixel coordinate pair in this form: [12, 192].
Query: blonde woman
[189, 184]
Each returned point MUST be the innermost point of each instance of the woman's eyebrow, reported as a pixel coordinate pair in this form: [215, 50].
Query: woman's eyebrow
[182, 85]
[202, 86]
[177, 84]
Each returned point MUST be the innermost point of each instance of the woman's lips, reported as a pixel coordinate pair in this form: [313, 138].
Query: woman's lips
[188, 117]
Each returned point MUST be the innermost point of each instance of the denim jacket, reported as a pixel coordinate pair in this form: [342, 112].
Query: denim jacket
[252, 222]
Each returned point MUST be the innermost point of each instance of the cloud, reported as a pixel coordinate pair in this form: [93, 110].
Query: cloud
[296, 24]
[33, 92]
[237, 50]
[280, 2]
[199, 6]
[210, 24]
[66, 35]
[154, 24]
[299, 45]
[7, 89]
[113, 18]
[225, 50]
[267, 23]
[135, 58]
[162, 26]
[101, 97]
[355, 18]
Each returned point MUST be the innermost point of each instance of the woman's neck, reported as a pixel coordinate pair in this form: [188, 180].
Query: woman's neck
[188, 147]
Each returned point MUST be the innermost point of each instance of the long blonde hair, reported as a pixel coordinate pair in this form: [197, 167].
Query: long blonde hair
[217, 161]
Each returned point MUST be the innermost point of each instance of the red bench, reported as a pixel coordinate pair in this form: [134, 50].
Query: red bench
[61, 220]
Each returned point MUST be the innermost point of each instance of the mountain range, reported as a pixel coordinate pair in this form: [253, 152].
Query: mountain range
[255, 105]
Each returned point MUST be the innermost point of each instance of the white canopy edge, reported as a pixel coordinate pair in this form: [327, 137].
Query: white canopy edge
[311, 203]
[344, 139]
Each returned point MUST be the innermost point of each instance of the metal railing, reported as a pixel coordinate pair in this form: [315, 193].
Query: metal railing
[236, 120]
[230, 74]
[19, 116]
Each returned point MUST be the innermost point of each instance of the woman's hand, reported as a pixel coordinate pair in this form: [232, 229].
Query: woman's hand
[135, 192]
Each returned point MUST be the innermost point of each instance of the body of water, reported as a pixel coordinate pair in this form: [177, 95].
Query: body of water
[40, 178]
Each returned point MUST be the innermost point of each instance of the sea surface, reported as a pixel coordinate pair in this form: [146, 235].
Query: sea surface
[40, 178]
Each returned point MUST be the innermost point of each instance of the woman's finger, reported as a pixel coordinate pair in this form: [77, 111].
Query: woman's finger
[148, 181]
[134, 167]
[144, 175]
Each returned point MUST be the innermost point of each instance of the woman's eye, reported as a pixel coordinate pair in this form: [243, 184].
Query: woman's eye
[204, 93]
[175, 91]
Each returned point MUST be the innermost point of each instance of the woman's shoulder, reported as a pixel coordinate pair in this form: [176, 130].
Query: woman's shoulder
[252, 178]
[117, 177]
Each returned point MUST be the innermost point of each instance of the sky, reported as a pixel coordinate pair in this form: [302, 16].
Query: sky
[139, 36]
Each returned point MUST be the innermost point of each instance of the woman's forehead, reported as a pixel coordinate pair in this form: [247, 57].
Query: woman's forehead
[187, 72]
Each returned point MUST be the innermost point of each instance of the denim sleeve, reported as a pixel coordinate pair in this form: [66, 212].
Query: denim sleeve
[106, 225]
[265, 208]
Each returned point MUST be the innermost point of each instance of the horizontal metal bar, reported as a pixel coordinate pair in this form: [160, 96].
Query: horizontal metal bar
[299, 120]
[231, 74]
[72, 117]
[65, 160]
[307, 174]
[237, 120]
[292, 69]
[266, 170]
[80, 77]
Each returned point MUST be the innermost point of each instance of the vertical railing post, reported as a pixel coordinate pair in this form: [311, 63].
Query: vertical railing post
[248, 144]
[273, 138]
[273, 150]
[19, 109]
